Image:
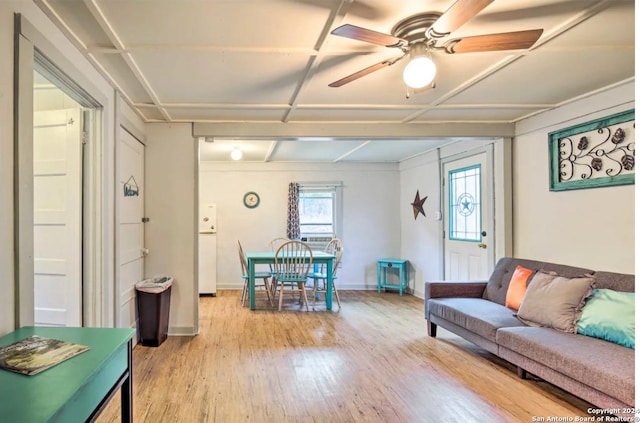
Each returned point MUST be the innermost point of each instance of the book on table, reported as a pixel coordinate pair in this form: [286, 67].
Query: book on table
[35, 354]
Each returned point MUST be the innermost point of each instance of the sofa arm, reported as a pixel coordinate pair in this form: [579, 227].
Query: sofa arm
[444, 289]
[448, 289]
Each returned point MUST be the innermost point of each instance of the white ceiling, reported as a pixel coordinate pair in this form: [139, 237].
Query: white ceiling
[270, 61]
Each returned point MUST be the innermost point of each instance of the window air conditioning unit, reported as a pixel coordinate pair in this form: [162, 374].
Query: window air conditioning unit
[317, 243]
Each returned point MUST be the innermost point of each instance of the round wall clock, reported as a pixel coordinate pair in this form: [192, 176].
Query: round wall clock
[251, 200]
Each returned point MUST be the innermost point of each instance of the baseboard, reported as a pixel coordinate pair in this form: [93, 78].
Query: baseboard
[136, 336]
[228, 286]
[182, 331]
[347, 287]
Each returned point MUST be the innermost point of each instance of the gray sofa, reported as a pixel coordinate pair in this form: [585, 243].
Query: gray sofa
[600, 372]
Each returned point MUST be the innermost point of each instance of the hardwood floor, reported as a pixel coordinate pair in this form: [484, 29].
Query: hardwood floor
[370, 361]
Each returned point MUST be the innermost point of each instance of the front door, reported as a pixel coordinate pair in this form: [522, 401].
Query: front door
[57, 217]
[130, 193]
[469, 213]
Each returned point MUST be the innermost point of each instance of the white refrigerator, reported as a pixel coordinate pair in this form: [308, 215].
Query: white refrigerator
[207, 250]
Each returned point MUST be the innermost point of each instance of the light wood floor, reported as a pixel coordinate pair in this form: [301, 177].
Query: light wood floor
[370, 361]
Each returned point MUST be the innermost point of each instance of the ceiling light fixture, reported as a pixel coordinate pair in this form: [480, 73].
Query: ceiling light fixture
[420, 71]
[236, 154]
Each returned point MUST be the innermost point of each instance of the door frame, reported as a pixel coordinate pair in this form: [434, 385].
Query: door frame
[32, 48]
[498, 153]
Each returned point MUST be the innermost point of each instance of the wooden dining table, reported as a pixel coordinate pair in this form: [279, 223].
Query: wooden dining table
[268, 257]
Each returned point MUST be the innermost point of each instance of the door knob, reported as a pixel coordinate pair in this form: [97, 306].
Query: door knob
[482, 245]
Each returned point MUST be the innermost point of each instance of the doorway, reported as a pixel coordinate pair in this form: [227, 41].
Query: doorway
[59, 182]
[57, 205]
[469, 233]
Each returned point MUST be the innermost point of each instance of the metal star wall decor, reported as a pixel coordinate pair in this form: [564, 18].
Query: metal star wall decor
[418, 205]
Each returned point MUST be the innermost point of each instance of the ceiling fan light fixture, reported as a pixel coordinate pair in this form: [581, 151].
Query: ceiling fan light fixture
[420, 71]
[236, 154]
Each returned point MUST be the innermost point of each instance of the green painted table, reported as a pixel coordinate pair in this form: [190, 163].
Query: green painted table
[77, 389]
[268, 257]
[384, 265]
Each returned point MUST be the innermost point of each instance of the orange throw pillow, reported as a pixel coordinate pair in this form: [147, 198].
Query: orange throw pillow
[517, 287]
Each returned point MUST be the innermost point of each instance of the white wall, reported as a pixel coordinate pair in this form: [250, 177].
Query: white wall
[593, 228]
[170, 203]
[371, 228]
[422, 236]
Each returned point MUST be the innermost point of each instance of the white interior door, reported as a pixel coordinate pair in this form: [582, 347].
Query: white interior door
[131, 228]
[469, 212]
[57, 219]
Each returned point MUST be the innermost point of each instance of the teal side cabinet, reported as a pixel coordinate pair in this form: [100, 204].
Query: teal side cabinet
[384, 265]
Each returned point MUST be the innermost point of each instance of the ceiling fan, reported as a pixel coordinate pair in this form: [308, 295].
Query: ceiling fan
[417, 36]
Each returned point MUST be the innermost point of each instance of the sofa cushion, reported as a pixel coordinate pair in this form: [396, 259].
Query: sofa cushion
[610, 315]
[555, 301]
[498, 284]
[479, 316]
[602, 365]
[517, 287]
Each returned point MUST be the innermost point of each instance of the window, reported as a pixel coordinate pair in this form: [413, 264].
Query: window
[317, 213]
[464, 197]
[319, 207]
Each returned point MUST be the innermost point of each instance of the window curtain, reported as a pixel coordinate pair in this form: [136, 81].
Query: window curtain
[293, 214]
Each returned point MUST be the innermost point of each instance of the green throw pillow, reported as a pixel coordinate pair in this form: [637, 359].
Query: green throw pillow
[610, 315]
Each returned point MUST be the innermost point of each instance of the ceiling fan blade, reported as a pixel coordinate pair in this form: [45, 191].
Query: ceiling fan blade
[494, 42]
[368, 35]
[457, 15]
[364, 72]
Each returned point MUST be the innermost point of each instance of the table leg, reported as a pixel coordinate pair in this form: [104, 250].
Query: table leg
[316, 269]
[379, 278]
[329, 293]
[385, 270]
[126, 391]
[402, 277]
[252, 284]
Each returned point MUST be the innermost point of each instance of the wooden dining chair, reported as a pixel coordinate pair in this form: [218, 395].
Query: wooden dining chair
[277, 242]
[273, 246]
[292, 263]
[265, 276]
[319, 276]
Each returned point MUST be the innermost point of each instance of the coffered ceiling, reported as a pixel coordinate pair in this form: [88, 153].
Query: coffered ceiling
[271, 61]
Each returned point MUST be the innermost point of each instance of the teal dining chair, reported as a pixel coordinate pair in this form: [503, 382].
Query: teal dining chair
[292, 263]
[319, 275]
[265, 276]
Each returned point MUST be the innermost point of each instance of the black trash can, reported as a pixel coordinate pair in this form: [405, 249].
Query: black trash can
[154, 298]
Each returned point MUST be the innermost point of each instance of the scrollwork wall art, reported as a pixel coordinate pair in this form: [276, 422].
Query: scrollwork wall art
[594, 154]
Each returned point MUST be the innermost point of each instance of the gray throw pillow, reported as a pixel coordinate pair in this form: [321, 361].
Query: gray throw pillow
[555, 301]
